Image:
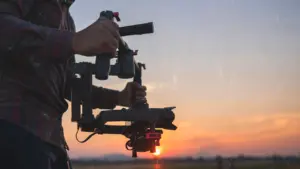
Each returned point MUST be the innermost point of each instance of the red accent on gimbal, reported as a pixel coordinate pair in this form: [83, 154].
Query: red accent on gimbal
[153, 135]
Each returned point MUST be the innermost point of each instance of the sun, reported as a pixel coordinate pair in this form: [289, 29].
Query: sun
[158, 151]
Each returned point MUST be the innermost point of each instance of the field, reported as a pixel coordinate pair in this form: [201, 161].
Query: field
[194, 165]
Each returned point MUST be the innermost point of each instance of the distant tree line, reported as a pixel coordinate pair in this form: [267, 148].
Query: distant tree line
[220, 160]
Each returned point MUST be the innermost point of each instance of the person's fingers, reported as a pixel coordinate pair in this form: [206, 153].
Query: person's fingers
[115, 31]
[108, 48]
[110, 44]
[112, 28]
[135, 85]
[140, 93]
[116, 25]
[115, 34]
[141, 99]
[114, 44]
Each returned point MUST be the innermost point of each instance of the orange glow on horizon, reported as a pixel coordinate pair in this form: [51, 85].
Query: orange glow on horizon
[158, 152]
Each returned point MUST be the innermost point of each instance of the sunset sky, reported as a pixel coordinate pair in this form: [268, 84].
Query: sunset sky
[231, 67]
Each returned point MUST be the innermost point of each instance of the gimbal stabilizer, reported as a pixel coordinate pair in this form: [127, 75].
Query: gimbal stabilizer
[143, 133]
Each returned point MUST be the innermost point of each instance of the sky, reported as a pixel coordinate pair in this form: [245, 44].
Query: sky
[231, 68]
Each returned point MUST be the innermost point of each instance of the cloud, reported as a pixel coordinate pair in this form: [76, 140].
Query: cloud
[152, 86]
[174, 82]
[221, 72]
[175, 79]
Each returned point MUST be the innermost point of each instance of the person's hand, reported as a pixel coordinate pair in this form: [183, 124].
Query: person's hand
[132, 91]
[100, 37]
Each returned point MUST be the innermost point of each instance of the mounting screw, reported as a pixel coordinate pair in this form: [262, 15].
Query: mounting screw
[134, 154]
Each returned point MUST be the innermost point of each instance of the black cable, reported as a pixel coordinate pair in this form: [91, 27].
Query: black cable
[90, 136]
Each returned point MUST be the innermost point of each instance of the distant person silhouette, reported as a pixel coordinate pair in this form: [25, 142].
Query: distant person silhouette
[38, 42]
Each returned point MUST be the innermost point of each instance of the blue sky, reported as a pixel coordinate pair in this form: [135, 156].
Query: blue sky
[213, 59]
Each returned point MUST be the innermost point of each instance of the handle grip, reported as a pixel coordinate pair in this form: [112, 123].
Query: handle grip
[103, 60]
[138, 29]
[102, 68]
[127, 66]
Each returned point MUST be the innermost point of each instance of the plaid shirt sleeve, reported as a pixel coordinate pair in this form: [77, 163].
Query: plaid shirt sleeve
[104, 98]
[21, 39]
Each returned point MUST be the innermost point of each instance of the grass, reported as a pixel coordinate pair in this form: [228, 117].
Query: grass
[193, 165]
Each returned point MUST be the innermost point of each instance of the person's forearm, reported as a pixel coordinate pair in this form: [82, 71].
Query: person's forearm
[21, 39]
[104, 98]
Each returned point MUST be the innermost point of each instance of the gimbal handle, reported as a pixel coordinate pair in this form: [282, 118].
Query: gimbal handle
[125, 55]
[103, 60]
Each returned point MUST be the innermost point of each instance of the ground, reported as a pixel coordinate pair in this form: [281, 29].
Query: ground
[194, 165]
